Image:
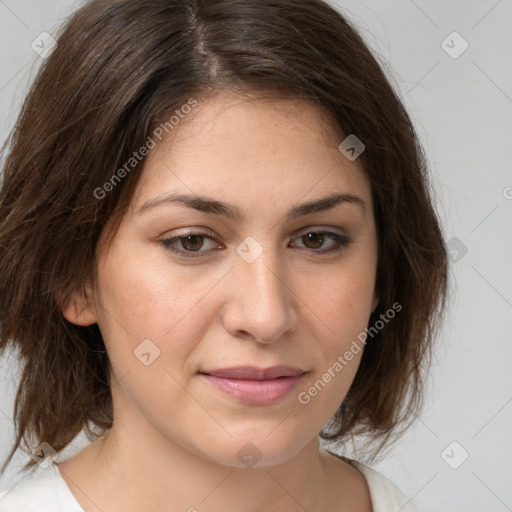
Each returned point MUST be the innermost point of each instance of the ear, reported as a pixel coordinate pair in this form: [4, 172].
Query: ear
[78, 307]
[375, 301]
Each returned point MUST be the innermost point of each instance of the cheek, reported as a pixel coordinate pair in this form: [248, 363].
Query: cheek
[342, 303]
[342, 308]
[139, 299]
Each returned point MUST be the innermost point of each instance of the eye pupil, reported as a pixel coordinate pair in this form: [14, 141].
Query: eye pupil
[316, 238]
[196, 242]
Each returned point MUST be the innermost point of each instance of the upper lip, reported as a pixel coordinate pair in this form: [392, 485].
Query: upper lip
[255, 373]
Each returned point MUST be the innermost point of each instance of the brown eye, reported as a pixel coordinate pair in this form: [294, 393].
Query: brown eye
[195, 245]
[191, 245]
[313, 240]
[192, 242]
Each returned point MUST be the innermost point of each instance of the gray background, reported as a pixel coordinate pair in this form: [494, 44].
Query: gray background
[462, 108]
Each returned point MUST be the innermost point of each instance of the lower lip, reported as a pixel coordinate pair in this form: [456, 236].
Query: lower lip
[255, 392]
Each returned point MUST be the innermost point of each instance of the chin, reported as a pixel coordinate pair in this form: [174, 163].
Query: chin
[256, 451]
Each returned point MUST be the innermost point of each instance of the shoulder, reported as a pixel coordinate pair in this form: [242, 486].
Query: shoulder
[37, 491]
[385, 495]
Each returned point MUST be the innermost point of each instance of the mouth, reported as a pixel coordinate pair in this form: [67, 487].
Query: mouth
[255, 386]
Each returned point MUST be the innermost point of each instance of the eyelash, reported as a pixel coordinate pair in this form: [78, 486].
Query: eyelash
[342, 241]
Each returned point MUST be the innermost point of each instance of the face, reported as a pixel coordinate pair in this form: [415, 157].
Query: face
[218, 325]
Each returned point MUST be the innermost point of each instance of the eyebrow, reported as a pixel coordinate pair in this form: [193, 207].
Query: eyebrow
[215, 207]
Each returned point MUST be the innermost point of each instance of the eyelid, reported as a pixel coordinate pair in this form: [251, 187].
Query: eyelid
[207, 232]
[319, 229]
[196, 230]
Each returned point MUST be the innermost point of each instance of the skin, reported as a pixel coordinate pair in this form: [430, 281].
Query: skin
[175, 438]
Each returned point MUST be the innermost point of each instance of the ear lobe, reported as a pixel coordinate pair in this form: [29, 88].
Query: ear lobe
[375, 301]
[78, 308]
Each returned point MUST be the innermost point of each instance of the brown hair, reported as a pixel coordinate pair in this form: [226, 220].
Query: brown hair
[119, 66]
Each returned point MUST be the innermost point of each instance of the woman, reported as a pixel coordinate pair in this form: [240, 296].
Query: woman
[217, 247]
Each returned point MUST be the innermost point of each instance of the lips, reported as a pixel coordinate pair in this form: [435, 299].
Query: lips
[255, 386]
[254, 373]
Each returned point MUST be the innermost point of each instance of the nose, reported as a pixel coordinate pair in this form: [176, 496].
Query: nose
[262, 304]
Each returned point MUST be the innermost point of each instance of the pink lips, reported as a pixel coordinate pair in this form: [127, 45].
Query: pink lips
[255, 386]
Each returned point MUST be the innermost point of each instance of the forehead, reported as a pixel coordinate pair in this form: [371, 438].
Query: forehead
[250, 149]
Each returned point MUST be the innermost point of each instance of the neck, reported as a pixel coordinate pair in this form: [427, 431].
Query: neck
[135, 467]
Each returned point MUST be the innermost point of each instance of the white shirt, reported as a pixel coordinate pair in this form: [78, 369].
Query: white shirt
[44, 490]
